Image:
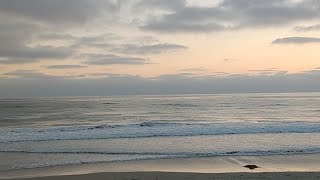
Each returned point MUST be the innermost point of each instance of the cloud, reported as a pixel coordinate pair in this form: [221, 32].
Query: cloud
[199, 69]
[55, 36]
[65, 66]
[315, 27]
[189, 19]
[162, 4]
[21, 43]
[296, 40]
[148, 49]
[169, 27]
[24, 55]
[30, 30]
[112, 59]
[29, 74]
[132, 45]
[233, 15]
[264, 70]
[106, 40]
[312, 72]
[17, 46]
[57, 11]
[33, 75]
[267, 71]
[184, 83]
[272, 12]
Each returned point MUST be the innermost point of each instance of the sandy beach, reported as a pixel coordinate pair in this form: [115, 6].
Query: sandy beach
[270, 167]
[184, 176]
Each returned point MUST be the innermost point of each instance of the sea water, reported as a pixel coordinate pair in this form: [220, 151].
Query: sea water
[57, 131]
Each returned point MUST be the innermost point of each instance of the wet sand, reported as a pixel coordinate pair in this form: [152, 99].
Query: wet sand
[228, 167]
[185, 176]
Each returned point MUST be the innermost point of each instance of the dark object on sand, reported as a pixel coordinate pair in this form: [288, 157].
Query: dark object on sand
[252, 167]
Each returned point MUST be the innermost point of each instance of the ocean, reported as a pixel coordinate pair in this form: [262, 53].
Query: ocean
[58, 131]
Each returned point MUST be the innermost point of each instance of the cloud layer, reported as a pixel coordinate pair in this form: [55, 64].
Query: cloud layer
[112, 59]
[67, 66]
[315, 27]
[30, 83]
[57, 11]
[81, 36]
[230, 15]
[40, 30]
[296, 40]
[28, 27]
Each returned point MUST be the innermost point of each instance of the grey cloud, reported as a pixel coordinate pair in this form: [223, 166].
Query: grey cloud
[231, 15]
[24, 26]
[168, 27]
[110, 37]
[21, 55]
[220, 73]
[264, 70]
[164, 4]
[184, 83]
[37, 52]
[315, 71]
[315, 27]
[65, 66]
[16, 39]
[24, 77]
[15, 48]
[105, 74]
[149, 49]
[55, 36]
[104, 41]
[112, 59]
[29, 74]
[15, 33]
[296, 40]
[114, 43]
[268, 71]
[272, 12]
[117, 44]
[57, 11]
[200, 69]
[20, 73]
[190, 19]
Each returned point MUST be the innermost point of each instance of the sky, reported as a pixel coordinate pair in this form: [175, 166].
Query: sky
[115, 47]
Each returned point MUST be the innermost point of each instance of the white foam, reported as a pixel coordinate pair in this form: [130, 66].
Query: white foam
[151, 129]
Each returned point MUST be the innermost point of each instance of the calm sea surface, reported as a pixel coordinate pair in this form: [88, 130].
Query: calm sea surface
[46, 132]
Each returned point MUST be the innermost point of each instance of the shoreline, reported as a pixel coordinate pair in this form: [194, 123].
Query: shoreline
[227, 166]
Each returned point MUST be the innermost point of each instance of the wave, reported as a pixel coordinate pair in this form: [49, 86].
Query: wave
[314, 150]
[182, 105]
[152, 129]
